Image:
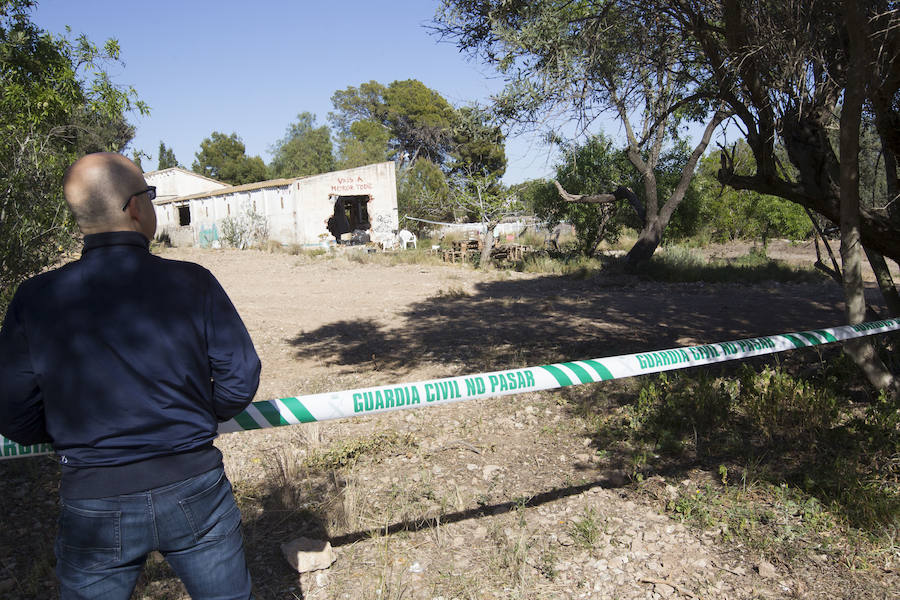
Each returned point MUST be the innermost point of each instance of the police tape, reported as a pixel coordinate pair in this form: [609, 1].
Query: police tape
[438, 392]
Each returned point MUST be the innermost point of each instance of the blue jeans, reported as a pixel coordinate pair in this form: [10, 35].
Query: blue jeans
[103, 542]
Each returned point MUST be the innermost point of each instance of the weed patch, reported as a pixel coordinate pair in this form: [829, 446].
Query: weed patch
[799, 466]
[346, 453]
[587, 530]
[575, 266]
[682, 264]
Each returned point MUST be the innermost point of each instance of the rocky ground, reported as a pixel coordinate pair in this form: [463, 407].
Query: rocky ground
[514, 497]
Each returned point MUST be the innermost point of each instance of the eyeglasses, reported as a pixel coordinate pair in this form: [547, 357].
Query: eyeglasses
[150, 191]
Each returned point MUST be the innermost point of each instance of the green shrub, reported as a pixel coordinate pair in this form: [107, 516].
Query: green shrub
[779, 404]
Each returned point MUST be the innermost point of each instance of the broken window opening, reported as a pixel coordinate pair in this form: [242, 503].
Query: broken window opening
[184, 215]
[351, 213]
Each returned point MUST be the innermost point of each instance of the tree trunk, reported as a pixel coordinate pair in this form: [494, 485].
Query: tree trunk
[647, 243]
[487, 244]
[885, 282]
[860, 350]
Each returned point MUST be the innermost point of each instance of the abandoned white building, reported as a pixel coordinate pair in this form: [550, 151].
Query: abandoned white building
[312, 210]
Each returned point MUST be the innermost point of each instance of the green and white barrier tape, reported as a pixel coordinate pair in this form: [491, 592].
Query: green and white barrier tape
[435, 392]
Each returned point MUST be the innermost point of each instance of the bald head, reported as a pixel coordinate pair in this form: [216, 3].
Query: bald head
[97, 185]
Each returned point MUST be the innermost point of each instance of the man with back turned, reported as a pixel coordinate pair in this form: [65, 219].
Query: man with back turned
[126, 363]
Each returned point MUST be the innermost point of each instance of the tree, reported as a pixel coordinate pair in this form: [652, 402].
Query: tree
[586, 168]
[56, 103]
[166, 158]
[364, 143]
[407, 120]
[423, 192]
[417, 118]
[531, 193]
[584, 59]
[223, 157]
[782, 68]
[304, 150]
[483, 199]
[787, 70]
[731, 214]
[477, 144]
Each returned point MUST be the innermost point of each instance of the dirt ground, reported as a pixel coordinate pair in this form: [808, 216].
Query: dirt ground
[482, 499]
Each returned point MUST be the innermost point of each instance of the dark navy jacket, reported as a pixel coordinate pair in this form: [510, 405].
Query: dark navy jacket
[126, 363]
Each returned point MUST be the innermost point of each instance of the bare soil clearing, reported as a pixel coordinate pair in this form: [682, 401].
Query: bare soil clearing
[498, 498]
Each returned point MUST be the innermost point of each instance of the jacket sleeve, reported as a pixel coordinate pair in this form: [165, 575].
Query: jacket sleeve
[21, 400]
[234, 365]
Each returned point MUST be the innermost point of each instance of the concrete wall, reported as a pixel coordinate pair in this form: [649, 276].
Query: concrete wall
[175, 182]
[296, 210]
[315, 197]
[172, 184]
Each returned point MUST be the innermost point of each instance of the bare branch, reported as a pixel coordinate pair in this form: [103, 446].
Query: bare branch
[585, 198]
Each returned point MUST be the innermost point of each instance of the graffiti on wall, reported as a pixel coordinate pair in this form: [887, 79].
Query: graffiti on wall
[351, 185]
[208, 236]
[383, 226]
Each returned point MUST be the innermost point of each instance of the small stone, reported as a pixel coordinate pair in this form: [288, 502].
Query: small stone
[489, 472]
[306, 554]
[321, 579]
[565, 539]
[480, 533]
[416, 568]
[766, 569]
[664, 590]
[472, 467]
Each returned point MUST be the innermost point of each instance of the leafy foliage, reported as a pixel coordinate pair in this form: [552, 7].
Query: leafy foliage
[476, 144]
[596, 166]
[581, 59]
[406, 120]
[223, 157]
[586, 169]
[56, 103]
[248, 228]
[365, 143]
[166, 157]
[416, 118]
[783, 69]
[729, 214]
[304, 150]
[424, 192]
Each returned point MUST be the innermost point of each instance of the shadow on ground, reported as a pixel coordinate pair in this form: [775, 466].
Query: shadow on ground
[510, 323]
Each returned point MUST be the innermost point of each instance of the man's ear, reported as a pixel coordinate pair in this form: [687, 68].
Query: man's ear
[133, 210]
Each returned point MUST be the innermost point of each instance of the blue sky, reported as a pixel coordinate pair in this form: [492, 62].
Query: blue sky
[251, 67]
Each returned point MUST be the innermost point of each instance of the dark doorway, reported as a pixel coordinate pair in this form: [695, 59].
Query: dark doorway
[184, 215]
[357, 211]
[351, 215]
